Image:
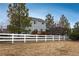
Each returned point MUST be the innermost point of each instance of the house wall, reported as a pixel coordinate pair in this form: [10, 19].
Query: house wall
[37, 25]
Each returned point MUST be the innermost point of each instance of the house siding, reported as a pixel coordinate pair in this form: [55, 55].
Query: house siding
[37, 24]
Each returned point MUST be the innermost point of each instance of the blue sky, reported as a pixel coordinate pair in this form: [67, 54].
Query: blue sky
[40, 10]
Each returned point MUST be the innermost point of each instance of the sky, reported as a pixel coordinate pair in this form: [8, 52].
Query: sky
[40, 10]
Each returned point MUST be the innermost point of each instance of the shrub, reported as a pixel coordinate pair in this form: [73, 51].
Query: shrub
[74, 36]
[35, 32]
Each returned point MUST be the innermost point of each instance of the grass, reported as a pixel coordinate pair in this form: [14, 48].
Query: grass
[53, 48]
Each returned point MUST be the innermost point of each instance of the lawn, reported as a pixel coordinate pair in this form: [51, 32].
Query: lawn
[54, 48]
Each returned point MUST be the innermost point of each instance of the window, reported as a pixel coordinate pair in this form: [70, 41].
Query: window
[42, 22]
[34, 22]
[41, 30]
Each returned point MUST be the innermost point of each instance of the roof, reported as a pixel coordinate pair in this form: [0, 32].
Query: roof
[37, 19]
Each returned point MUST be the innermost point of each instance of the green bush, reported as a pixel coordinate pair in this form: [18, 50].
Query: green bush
[74, 36]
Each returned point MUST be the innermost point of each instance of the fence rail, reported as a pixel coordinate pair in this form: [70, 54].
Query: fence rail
[30, 37]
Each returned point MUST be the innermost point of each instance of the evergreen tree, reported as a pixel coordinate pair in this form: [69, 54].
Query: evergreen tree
[49, 21]
[76, 27]
[75, 33]
[18, 17]
[65, 24]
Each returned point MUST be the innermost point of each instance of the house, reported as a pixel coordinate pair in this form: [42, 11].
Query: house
[3, 30]
[37, 24]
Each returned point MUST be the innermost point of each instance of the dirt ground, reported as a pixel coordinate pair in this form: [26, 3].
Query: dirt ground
[53, 48]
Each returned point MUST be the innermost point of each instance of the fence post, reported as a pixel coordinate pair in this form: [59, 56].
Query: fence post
[45, 38]
[53, 37]
[24, 38]
[59, 37]
[64, 37]
[36, 37]
[12, 38]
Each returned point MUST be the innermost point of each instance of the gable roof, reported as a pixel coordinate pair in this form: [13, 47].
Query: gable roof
[37, 19]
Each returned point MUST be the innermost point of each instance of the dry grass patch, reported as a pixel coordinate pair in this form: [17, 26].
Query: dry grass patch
[40, 48]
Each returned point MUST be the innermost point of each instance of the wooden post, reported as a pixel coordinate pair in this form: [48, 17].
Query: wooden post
[53, 37]
[59, 37]
[12, 38]
[64, 37]
[36, 38]
[45, 38]
[24, 38]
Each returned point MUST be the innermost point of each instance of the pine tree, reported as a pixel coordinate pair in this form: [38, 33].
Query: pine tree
[76, 27]
[49, 21]
[75, 32]
[18, 17]
[65, 24]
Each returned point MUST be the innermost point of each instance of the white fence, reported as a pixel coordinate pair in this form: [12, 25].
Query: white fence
[30, 37]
